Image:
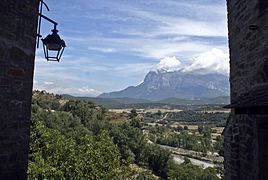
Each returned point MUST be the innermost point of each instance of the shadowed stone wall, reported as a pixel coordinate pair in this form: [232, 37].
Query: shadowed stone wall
[18, 23]
[244, 143]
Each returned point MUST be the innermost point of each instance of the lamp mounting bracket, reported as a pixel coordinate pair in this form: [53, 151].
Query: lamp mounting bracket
[44, 17]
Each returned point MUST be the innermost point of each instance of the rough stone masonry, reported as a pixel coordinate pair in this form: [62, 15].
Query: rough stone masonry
[246, 132]
[18, 24]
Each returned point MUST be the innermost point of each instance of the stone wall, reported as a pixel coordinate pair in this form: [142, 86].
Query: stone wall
[248, 33]
[248, 48]
[18, 23]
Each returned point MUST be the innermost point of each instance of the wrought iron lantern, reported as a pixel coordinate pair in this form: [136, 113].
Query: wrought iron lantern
[53, 45]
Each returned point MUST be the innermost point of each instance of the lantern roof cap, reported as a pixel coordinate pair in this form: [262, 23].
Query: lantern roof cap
[54, 38]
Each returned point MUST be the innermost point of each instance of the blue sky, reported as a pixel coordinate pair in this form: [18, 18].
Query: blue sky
[112, 44]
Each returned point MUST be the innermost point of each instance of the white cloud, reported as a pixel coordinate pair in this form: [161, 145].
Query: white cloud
[161, 49]
[214, 61]
[197, 20]
[48, 83]
[58, 89]
[88, 91]
[104, 50]
[82, 91]
[156, 34]
[169, 64]
[151, 48]
[132, 69]
[86, 76]
[191, 27]
[184, 26]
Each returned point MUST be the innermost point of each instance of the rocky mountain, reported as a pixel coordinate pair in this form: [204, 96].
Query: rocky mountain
[159, 85]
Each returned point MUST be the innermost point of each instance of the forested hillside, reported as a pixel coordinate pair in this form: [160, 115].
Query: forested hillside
[76, 139]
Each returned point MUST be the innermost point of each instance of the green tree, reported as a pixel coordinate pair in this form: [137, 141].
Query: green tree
[98, 158]
[133, 113]
[200, 129]
[159, 113]
[207, 132]
[52, 156]
[219, 143]
[136, 122]
[157, 159]
[190, 172]
[179, 128]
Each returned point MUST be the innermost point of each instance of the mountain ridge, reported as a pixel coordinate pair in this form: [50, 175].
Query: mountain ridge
[159, 85]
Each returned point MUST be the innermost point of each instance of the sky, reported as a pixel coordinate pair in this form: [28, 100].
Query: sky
[113, 44]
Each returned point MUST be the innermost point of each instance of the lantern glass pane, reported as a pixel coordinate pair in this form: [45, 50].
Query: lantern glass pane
[52, 55]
